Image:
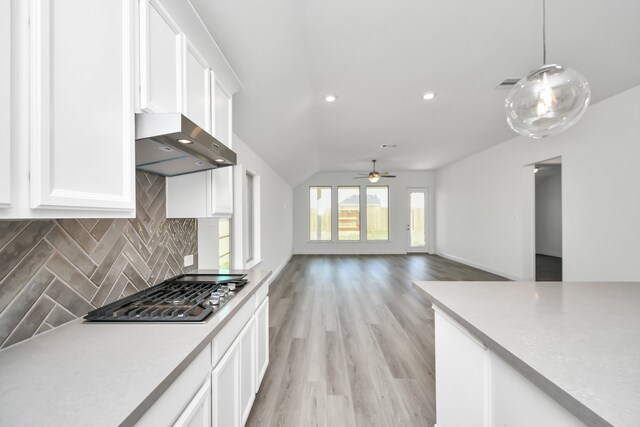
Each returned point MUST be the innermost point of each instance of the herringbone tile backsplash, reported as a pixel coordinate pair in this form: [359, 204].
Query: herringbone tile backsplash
[54, 271]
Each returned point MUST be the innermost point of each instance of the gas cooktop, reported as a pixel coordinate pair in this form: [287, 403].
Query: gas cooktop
[184, 298]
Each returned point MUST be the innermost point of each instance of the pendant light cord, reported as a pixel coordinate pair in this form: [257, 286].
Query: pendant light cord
[544, 32]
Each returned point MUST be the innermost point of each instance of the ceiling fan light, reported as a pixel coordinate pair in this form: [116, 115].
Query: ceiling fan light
[374, 177]
[548, 101]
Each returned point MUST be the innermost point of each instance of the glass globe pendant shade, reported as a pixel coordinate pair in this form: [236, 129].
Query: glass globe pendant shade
[549, 100]
[374, 177]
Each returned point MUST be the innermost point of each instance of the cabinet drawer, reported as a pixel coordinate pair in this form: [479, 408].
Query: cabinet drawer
[228, 334]
[176, 398]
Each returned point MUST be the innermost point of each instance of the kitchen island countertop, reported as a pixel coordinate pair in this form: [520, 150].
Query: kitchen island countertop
[103, 374]
[578, 342]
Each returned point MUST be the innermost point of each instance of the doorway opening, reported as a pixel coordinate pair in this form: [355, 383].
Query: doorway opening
[548, 220]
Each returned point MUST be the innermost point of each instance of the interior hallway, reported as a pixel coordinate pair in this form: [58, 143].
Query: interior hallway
[351, 341]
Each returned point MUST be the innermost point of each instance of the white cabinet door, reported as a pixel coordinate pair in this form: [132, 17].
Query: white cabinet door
[160, 60]
[5, 104]
[207, 194]
[197, 88]
[220, 193]
[81, 97]
[462, 371]
[515, 401]
[225, 407]
[247, 357]
[222, 113]
[198, 412]
[262, 341]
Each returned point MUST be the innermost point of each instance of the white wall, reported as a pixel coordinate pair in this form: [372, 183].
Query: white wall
[275, 206]
[549, 214]
[398, 215]
[484, 203]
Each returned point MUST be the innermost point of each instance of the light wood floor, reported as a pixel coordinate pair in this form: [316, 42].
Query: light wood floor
[351, 342]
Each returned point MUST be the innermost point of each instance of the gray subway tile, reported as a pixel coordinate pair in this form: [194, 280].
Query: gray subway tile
[71, 250]
[22, 244]
[30, 324]
[66, 297]
[11, 316]
[73, 277]
[59, 316]
[24, 271]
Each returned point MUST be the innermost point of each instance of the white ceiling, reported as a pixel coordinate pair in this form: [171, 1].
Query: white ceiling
[380, 56]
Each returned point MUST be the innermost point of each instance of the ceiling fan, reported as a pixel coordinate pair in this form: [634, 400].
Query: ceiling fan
[374, 175]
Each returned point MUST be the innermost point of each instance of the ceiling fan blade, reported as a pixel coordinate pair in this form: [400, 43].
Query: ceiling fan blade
[387, 176]
[360, 177]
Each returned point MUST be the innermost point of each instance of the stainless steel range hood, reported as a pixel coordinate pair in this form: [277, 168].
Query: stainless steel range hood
[170, 144]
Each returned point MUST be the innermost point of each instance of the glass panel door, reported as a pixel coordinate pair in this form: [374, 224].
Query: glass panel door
[417, 221]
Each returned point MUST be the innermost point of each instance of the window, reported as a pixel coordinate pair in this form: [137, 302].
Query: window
[319, 213]
[348, 213]
[249, 217]
[378, 213]
[224, 244]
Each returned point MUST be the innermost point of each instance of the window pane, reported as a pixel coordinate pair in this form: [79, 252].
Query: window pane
[348, 213]
[320, 213]
[377, 213]
[224, 244]
[223, 227]
[225, 262]
[249, 237]
[417, 225]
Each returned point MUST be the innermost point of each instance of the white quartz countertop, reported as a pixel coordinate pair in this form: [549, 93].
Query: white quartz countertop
[579, 342]
[103, 374]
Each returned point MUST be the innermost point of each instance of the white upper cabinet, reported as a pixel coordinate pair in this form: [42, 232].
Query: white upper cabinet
[222, 112]
[161, 62]
[197, 82]
[5, 104]
[75, 149]
[207, 194]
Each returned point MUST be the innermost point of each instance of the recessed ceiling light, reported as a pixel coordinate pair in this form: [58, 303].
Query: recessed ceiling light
[330, 98]
[220, 160]
[185, 141]
[429, 95]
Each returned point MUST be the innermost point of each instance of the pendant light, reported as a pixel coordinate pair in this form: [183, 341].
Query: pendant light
[549, 99]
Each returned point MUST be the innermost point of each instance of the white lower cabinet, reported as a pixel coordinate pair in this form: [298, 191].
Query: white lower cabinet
[461, 373]
[475, 387]
[219, 386]
[225, 382]
[262, 341]
[198, 413]
[247, 357]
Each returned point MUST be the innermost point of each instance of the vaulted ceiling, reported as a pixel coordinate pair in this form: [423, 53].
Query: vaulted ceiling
[380, 56]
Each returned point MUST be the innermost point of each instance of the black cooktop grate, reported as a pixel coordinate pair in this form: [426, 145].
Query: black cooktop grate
[184, 298]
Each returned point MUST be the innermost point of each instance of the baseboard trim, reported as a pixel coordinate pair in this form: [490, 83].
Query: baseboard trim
[481, 267]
